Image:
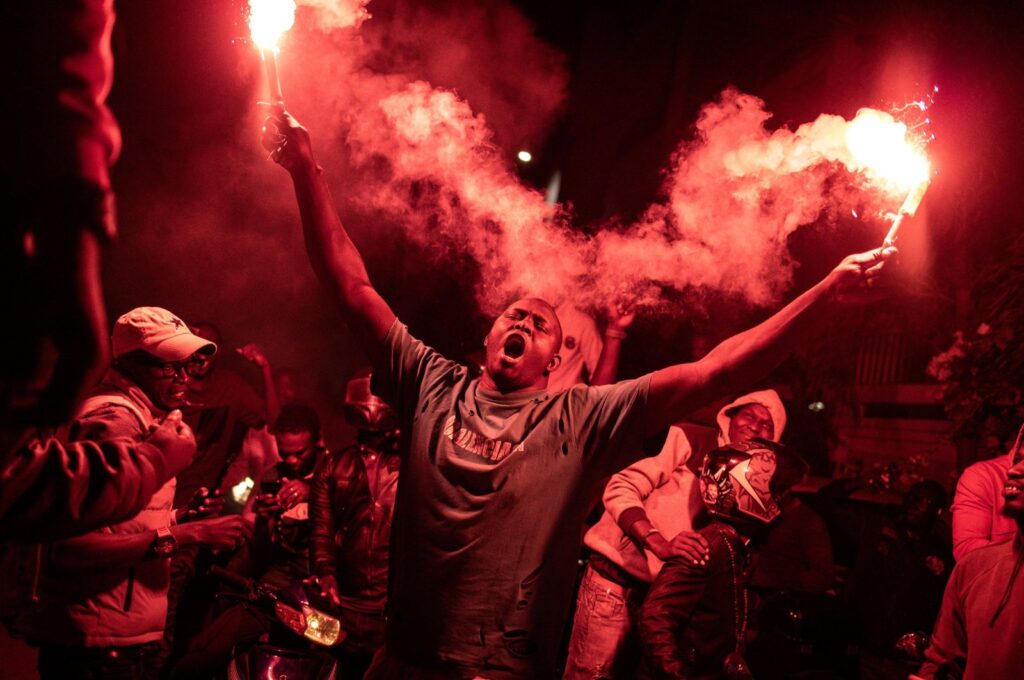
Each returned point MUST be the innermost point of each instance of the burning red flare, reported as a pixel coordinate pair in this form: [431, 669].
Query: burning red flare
[884, 148]
[269, 20]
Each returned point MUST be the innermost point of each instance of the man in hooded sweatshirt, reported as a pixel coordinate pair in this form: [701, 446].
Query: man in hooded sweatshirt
[648, 519]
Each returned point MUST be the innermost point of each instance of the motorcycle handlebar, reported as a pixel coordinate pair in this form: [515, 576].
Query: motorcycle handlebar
[231, 577]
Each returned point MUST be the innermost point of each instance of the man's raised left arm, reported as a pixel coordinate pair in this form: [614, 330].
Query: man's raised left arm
[743, 359]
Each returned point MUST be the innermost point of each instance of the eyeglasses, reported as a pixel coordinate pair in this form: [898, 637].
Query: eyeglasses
[169, 369]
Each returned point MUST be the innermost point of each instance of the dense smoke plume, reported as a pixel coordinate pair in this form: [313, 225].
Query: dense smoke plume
[437, 163]
[732, 197]
[415, 114]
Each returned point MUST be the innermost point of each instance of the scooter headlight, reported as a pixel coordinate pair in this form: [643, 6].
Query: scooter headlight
[321, 628]
[310, 623]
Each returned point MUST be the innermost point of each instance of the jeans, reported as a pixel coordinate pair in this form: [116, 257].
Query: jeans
[603, 643]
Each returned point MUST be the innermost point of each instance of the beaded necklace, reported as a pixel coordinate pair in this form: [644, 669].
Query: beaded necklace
[735, 665]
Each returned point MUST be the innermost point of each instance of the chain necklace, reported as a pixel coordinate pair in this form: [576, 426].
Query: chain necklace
[735, 665]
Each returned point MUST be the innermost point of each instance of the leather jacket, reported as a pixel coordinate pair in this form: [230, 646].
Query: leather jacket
[351, 504]
[688, 622]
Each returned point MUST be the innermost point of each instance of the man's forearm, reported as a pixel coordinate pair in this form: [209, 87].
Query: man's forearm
[645, 534]
[335, 258]
[270, 392]
[748, 356]
[103, 551]
[737, 362]
[607, 369]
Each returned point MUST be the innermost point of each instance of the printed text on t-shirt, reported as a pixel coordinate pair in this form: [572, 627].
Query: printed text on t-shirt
[477, 444]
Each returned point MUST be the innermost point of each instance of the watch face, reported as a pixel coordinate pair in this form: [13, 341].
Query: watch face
[166, 545]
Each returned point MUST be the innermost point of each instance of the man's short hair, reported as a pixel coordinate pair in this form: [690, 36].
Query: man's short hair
[298, 418]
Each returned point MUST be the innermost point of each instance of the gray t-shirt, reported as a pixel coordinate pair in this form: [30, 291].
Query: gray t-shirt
[489, 513]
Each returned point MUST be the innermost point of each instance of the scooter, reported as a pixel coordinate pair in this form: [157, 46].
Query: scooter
[304, 613]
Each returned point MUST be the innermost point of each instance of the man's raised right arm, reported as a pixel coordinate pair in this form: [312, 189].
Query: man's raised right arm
[334, 257]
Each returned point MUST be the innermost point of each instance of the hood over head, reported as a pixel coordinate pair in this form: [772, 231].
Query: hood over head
[767, 398]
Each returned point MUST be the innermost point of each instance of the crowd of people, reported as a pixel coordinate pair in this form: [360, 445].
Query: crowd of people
[447, 538]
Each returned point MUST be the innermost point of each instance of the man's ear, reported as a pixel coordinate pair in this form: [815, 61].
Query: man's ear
[555, 362]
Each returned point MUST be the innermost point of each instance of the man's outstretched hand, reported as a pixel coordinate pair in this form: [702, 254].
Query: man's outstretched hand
[287, 141]
[863, 277]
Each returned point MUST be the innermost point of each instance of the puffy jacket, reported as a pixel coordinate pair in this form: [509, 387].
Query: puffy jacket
[120, 605]
[351, 510]
[688, 622]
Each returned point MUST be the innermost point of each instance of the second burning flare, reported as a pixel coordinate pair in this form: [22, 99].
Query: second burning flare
[268, 21]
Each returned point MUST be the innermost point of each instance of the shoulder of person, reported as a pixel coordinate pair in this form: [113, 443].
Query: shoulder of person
[108, 418]
[986, 558]
[342, 458]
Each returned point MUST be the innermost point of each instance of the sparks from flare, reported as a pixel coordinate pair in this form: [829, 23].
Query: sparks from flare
[889, 151]
[268, 21]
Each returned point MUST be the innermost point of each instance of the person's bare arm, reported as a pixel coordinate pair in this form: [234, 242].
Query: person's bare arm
[102, 550]
[334, 257]
[252, 352]
[620, 318]
[741, 360]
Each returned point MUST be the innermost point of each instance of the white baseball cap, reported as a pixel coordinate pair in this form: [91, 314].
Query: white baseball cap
[158, 332]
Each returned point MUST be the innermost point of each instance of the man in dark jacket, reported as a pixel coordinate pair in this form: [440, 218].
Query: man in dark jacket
[694, 619]
[353, 494]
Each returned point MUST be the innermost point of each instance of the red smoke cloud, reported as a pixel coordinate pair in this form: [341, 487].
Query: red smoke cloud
[732, 197]
[415, 114]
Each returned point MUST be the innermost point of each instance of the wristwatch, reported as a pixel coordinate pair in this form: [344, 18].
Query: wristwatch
[166, 544]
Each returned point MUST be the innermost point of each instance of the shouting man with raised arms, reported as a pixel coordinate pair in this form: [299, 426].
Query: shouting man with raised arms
[496, 473]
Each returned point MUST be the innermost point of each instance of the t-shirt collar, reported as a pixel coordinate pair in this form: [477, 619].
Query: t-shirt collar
[510, 399]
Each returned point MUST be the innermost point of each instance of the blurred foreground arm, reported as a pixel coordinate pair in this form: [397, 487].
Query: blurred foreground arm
[50, 490]
[334, 257]
[58, 204]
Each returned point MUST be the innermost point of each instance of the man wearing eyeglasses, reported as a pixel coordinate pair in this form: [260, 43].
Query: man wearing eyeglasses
[104, 594]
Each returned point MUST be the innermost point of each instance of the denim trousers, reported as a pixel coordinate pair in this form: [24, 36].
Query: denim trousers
[603, 644]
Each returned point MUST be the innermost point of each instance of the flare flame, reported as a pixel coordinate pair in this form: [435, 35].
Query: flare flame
[269, 20]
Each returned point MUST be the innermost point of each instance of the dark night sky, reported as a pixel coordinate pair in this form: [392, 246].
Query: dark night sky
[637, 74]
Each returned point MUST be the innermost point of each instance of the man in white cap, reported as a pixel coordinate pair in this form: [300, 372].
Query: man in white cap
[648, 519]
[104, 594]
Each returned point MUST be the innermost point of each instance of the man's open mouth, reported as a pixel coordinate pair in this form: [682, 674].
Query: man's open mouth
[514, 346]
[1012, 489]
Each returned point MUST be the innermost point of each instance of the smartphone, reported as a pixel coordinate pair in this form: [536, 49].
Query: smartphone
[235, 502]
